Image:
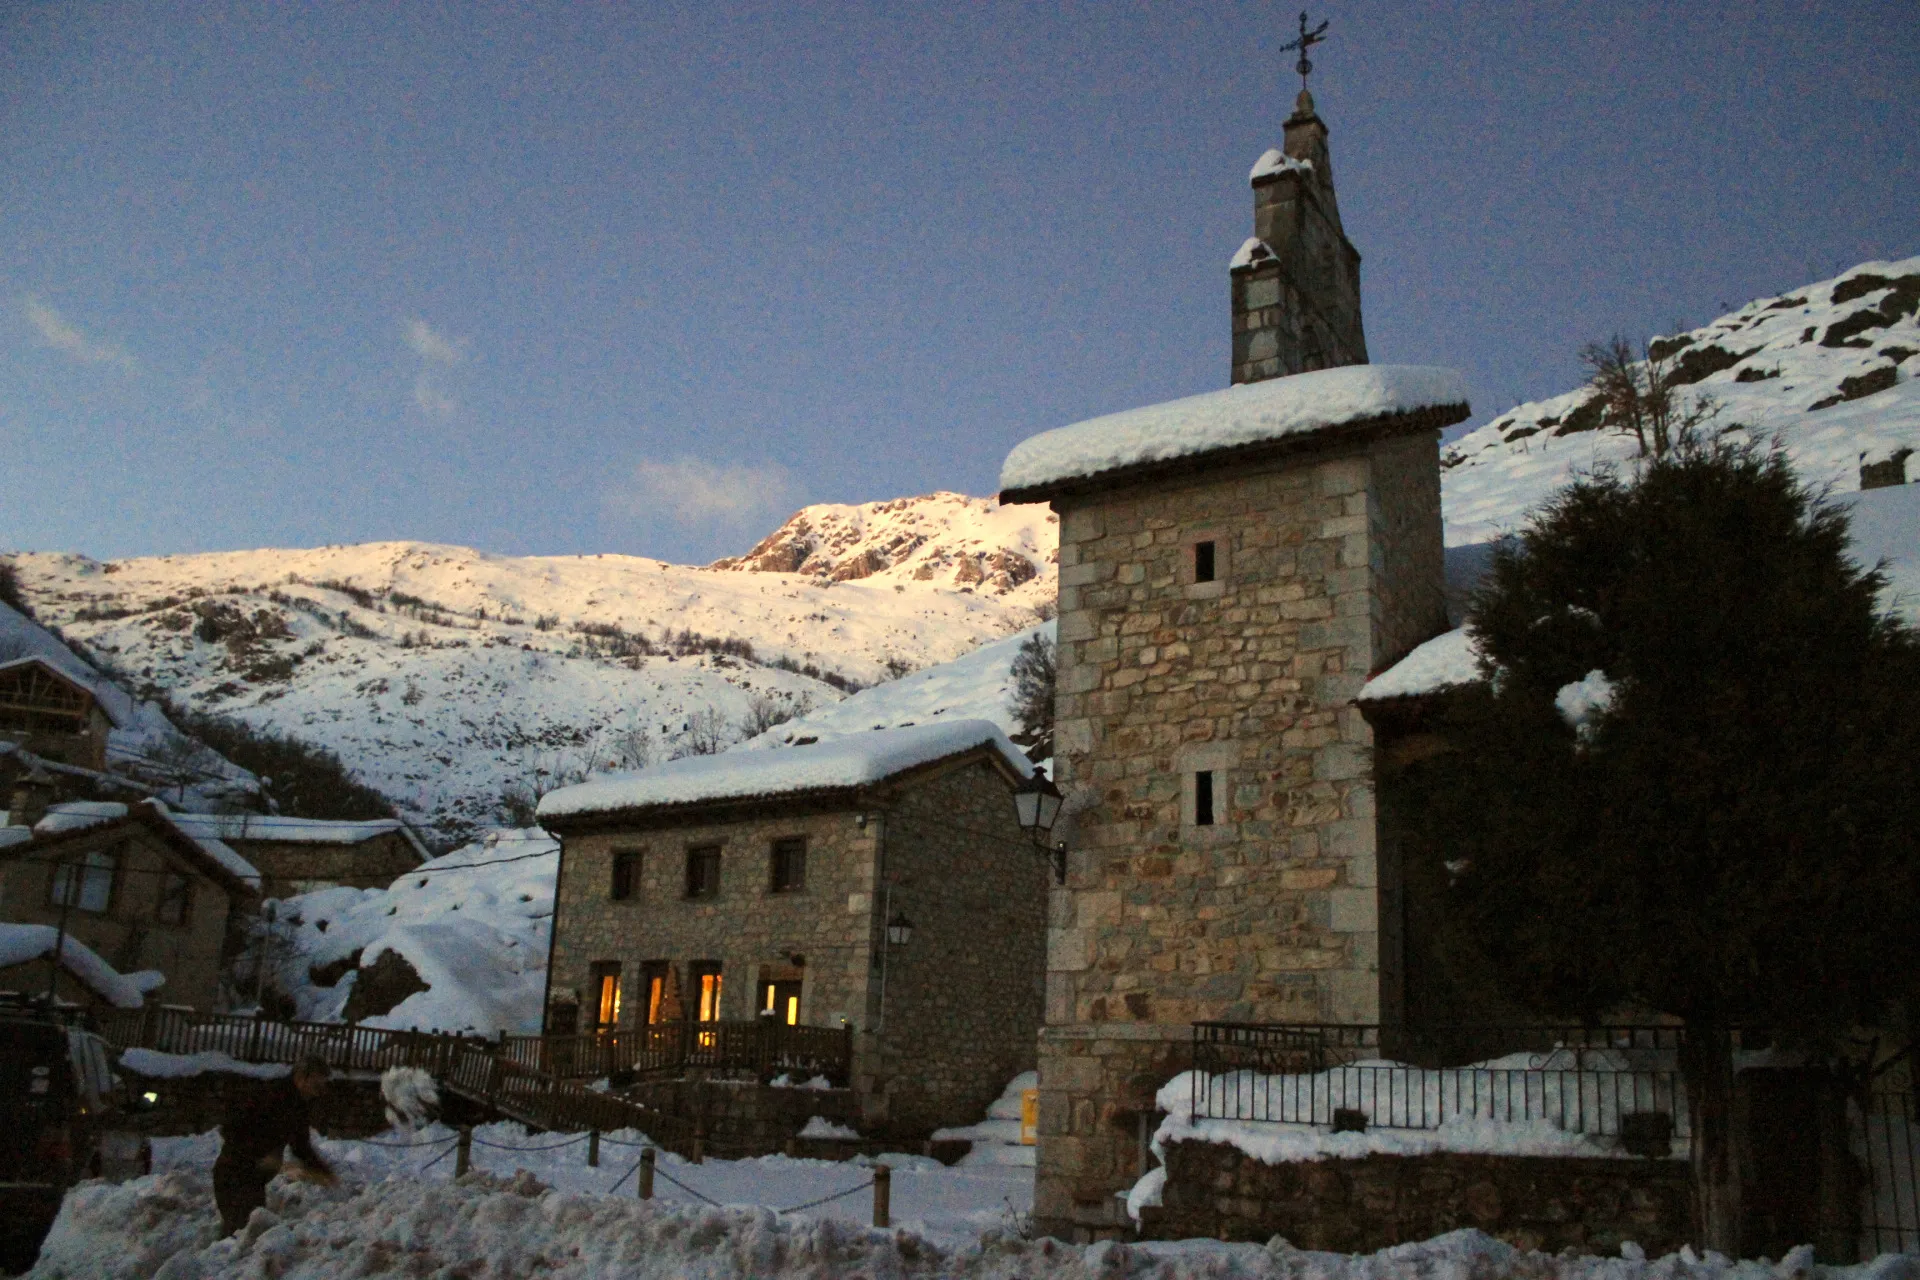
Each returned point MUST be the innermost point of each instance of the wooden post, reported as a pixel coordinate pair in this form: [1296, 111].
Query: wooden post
[882, 1196]
[463, 1156]
[593, 1149]
[646, 1173]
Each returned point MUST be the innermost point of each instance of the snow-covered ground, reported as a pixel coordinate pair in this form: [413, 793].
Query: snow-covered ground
[445, 677]
[399, 1213]
[473, 924]
[1773, 361]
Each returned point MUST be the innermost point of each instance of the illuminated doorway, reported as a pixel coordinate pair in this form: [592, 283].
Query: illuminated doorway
[780, 1000]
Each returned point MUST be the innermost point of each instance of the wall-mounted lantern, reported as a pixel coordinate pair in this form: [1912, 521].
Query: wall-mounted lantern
[899, 930]
[1036, 802]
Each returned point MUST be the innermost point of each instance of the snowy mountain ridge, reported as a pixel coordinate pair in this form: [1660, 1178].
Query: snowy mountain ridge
[1829, 369]
[446, 677]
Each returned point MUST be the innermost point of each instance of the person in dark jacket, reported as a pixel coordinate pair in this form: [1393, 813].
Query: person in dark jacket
[257, 1134]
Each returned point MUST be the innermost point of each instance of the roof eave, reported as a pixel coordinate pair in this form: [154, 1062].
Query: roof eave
[1355, 432]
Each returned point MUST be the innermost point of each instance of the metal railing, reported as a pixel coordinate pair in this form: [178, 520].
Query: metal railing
[1577, 1080]
[759, 1046]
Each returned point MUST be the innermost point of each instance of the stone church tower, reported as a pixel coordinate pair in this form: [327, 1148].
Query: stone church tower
[1232, 568]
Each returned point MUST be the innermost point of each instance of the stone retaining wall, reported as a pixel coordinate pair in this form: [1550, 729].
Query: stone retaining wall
[1358, 1206]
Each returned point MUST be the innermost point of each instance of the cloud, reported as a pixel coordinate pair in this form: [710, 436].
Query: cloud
[438, 354]
[56, 332]
[694, 492]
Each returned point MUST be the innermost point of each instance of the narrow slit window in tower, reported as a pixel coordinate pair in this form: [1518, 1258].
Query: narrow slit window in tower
[1203, 798]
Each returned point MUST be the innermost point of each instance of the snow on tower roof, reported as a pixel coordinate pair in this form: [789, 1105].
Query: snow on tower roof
[1279, 409]
[1277, 161]
[1444, 662]
[859, 760]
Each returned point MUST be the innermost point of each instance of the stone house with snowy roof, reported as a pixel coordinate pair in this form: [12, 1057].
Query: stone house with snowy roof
[1233, 566]
[136, 889]
[298, 855]
[763, 883]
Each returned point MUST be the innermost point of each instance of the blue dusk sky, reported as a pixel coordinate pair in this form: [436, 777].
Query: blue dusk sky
[645, 278]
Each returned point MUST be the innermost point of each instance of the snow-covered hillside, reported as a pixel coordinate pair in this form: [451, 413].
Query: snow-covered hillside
[1830, 369]
[448, 678]
[471, 927]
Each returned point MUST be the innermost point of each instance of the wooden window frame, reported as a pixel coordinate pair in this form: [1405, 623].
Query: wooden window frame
[623, 884]
[183, 882]
[703, 888]
[77, 871]
[699, 1004]
[787, 854]
[597, 975]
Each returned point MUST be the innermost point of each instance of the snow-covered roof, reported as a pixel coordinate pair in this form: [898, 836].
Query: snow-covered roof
[859, 760]
[1443, 662]
[1252, 250]
[1252, 413]
[20, 943]
[1273, 161]
[77, 815]
[276, 827]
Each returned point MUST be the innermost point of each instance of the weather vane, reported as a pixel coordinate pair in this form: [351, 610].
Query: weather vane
[1306, 41]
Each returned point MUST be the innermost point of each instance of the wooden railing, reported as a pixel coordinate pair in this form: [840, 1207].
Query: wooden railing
[533, 1079]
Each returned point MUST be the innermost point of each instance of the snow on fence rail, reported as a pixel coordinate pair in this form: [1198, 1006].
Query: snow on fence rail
[1580, 1080]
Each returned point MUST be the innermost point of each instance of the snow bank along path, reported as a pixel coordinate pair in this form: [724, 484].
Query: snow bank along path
[490, 1226]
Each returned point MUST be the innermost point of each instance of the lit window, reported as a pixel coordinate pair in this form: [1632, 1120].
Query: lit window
[709, 997]
[606, 1004]
[84, 883]
[1203, 798]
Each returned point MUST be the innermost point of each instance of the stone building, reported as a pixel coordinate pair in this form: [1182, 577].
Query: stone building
[132, 886]
[763, 883]
[45, 711]
[298, 855]
[1233, 566]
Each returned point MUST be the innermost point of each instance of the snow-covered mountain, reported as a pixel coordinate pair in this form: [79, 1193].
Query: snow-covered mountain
[448, 678]
[1829, 369]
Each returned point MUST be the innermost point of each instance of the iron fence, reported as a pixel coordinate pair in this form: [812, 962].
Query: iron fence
[1886, 1144]
[1587, 1081]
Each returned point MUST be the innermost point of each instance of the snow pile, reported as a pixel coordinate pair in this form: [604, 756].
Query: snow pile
[1441, 663]
[821, 1127]
[1251, 413]
[976, 687]
[472, 924]
[179, 1066]
[21, 943]
[493, 1225]
[411, 1096]
[1273, 161]
[1497, 1107]
[996, 1139]
[1778, 366]
[1252, 250]
[854, 761]
[1582, 702]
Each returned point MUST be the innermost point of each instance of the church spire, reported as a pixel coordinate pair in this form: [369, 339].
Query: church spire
[1296, 282]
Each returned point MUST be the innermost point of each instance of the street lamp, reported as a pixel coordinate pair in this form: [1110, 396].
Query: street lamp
[899, 930]
[1036, 803]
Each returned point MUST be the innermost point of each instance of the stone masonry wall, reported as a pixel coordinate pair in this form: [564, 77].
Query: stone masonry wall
[746, 926]
[291, 867]
[963, 997]
[1270, 914]
[1358, 1206]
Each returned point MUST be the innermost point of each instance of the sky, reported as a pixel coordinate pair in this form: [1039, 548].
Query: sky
[554, 279]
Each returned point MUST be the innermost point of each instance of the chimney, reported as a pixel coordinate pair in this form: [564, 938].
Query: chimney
[32, 793]
[1296, 282]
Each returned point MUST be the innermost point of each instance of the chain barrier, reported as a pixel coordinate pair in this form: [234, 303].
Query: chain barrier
[662, 1173]
[552, 1146]
[453, 1144]
[838, 1195]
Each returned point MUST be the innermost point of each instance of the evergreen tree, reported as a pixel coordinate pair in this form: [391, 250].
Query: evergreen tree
[1689, 784]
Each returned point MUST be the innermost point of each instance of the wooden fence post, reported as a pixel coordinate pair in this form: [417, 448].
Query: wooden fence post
[593, 1149]
[463, 1157]
[646, 1173]
[882, 1196]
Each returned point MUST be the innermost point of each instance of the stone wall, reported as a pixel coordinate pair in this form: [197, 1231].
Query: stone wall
[351, 1107]
[291, 867]
[1329, 568]
[740, 1118]
[746, 926]
[1358, 1206]
[963, 997]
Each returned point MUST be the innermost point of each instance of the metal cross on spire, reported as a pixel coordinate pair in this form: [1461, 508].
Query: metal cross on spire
[1306, 41]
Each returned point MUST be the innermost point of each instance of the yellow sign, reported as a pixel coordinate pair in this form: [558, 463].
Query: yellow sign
[1029, 1117]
